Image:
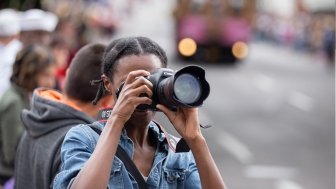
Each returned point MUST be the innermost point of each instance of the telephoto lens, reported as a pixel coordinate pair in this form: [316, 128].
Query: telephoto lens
[185, 88]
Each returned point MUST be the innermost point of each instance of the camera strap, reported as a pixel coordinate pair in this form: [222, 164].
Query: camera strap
[177, 145]
[127, 161]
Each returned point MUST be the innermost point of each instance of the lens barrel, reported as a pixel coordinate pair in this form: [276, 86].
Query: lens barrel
[185, 88]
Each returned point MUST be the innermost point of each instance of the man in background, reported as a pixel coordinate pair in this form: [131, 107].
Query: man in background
[52, 114]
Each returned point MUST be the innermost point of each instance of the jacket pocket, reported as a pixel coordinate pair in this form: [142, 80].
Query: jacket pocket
[174, 178]
[116, 176]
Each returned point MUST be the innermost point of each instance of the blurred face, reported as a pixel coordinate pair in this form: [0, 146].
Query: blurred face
[47, 77]
[36, 37]
[61, 55]
[131, 63]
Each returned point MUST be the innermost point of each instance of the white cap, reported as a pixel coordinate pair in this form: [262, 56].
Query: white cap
[36, 19]
[9, 22]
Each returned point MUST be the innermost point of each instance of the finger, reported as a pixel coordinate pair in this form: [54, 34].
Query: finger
[133, 75]
[165, 110]
[141, 81]
[142, 100]
[189, 110]
[143, 89]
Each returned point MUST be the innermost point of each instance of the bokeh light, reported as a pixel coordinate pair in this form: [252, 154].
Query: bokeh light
[187, 47]
[240, 50]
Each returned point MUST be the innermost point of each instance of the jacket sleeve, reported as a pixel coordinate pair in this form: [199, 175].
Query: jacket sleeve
[77, 147]
[192, 179]
[11, 131]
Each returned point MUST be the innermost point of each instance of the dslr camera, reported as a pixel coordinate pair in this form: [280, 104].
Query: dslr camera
[186, 87]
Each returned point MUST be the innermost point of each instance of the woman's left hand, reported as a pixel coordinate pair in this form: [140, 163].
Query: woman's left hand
[185, 121]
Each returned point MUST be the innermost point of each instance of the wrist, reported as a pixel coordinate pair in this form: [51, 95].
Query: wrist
[195, 140]
[116, 123]
[197, 145]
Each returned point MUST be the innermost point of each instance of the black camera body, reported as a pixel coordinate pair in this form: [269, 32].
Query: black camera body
[185, 88]
[156, 78]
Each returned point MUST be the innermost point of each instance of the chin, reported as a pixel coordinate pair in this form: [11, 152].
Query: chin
[140, 116]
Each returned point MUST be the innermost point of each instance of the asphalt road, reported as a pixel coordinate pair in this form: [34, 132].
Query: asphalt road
[273, 115]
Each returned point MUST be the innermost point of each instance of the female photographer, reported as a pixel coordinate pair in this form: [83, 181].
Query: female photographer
[90, 161]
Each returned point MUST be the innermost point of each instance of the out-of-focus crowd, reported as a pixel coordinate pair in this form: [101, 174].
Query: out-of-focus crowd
[305, 31]
[63, 29]
[63, 36]
[37, 43]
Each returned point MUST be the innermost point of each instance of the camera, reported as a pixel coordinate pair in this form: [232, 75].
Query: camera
[186, 87]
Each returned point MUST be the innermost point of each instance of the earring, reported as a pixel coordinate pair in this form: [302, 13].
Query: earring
[107, 91]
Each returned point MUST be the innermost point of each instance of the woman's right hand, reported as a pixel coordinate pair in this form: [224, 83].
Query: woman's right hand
[97, 169]
[129, 97]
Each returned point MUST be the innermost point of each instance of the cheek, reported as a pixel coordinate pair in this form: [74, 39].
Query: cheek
[117, 82]
[45, 39]
[61, 58]
[47, 79]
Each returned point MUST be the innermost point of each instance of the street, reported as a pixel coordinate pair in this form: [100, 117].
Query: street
[272, 115]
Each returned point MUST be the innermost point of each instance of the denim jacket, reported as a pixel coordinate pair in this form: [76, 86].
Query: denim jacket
[169, 170]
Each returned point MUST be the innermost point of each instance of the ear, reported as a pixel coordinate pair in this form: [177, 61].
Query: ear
[107, 84]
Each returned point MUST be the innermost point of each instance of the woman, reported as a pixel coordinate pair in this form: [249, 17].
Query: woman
[89, 160]
[33, 67]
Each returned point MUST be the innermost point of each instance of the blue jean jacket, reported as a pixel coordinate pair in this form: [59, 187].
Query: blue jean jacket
[170, 170]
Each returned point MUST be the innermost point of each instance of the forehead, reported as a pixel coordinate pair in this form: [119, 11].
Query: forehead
[133, 62]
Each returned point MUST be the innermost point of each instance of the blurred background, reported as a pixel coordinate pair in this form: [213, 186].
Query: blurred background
[270, 65]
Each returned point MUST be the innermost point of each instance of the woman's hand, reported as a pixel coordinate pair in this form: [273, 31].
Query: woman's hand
[185, 121]
[129, 97]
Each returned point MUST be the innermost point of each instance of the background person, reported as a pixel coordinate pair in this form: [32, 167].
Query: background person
[9, 45]
[88, 160]
[61, 53]
[37, 27]
[52, 114]
[33, 67]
